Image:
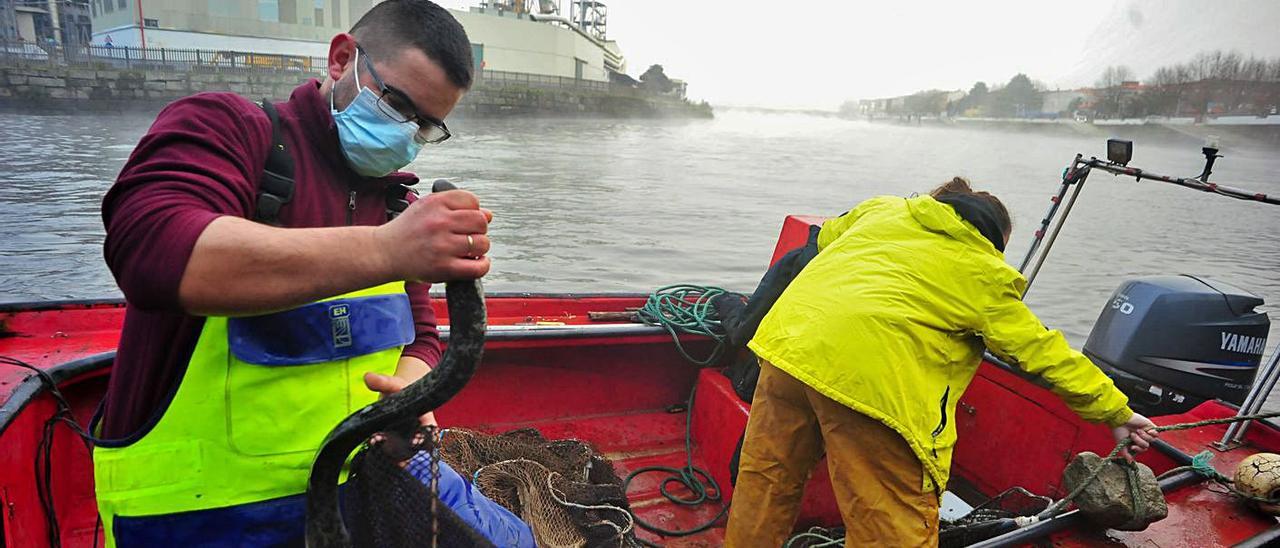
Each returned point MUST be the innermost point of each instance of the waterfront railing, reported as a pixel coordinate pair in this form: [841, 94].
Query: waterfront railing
[201, 60]
[501, 78]
[174, 59]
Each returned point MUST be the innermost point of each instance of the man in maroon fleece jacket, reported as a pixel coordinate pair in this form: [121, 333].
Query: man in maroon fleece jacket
[183, 245]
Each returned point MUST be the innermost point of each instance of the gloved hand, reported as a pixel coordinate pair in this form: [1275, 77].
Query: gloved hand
[1139, 431]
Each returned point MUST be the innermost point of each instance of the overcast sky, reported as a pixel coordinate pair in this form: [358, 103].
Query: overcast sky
[818, 54]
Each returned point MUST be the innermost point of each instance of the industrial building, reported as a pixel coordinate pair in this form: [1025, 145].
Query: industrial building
[45, 21]
[522, 36]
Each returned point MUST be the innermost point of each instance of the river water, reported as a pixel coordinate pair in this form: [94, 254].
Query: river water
[592, 205]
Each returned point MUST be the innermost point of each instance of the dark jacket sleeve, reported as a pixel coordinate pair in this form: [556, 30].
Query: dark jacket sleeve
[426, 342]
[201, 159]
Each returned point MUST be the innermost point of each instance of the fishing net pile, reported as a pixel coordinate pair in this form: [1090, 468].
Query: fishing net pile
[566, 491]
[387, 507]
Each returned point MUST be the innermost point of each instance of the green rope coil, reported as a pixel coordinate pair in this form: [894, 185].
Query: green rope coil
[698, 481]
[686, 309]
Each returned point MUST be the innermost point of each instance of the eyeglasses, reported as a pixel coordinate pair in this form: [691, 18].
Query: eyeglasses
[397, 105]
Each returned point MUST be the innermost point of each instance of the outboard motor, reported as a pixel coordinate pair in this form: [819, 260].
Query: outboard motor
[1172, 342]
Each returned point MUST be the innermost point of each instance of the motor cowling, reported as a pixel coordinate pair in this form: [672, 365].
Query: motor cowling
[1172, 342]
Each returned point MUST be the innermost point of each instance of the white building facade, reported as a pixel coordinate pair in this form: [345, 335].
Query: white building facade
[502, 40]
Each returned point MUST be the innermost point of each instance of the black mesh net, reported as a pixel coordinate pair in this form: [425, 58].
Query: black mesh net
[566, 491]
[983, 522]
[1012, 503]
[388, 507]
[991, 518]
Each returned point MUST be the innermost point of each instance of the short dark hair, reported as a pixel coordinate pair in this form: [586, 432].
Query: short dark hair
[395, 24]
[981, 208]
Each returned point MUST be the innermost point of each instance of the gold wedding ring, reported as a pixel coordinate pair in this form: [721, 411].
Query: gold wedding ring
[470, 245]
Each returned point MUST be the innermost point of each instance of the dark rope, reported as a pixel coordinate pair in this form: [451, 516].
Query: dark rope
[44, 449]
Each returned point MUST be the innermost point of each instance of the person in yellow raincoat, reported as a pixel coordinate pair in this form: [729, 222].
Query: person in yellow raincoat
[866, 353]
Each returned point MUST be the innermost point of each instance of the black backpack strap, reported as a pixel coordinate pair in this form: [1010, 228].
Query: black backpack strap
[276, 188]
[397, 199]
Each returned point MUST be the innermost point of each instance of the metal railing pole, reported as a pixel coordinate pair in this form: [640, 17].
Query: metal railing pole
[1052, 236]
[1055, 202]
[1263, 384]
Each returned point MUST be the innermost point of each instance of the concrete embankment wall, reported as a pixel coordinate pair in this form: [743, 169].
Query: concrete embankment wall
[39, 86]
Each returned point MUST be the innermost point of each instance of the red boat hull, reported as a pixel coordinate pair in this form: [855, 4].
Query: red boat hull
[620, 390]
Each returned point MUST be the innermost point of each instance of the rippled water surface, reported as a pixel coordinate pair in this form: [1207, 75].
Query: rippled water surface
[590, 205]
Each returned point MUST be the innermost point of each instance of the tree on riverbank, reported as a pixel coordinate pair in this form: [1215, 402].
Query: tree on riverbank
[1111, 87]
[974, 103]
[1213, 83]
[1018, 98]
[656, 79]
[927, 103]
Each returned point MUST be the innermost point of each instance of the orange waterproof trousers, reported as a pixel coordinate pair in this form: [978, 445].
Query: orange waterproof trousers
[876, 477]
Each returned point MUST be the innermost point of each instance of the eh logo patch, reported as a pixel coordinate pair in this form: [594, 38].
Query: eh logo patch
[340, 320]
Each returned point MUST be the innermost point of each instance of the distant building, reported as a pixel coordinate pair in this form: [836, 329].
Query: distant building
[506, 36]
[548, 44]
[287, 27]
[1057, 102]
[33, 21]
[679, 88]
[930, 103]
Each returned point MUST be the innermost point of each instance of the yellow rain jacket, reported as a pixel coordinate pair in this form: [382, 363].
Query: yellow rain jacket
[891, 318]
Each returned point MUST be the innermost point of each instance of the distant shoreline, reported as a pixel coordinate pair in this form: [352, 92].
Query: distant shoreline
[1261, 135]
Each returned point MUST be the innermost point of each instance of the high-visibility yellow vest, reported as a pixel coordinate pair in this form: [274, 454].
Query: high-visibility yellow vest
[257, 398]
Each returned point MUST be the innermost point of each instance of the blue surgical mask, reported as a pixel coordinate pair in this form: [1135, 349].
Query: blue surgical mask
[374, 143]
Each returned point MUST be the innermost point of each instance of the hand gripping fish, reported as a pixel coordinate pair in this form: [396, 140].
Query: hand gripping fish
[399, 411]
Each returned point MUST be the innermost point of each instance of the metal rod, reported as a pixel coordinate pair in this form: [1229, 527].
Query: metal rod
[1210, 154]
[526, 332]
[1053, 233]
[1166, 448]
[1046, 221]
[142, 26]
[1261, 390]
[1256, 396]
[1263, 383]
[1196, 184]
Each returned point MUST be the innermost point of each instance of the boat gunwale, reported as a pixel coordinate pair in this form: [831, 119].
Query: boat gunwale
[31, 387]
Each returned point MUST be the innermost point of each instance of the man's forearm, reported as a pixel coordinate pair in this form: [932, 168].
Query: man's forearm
[239, 267]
